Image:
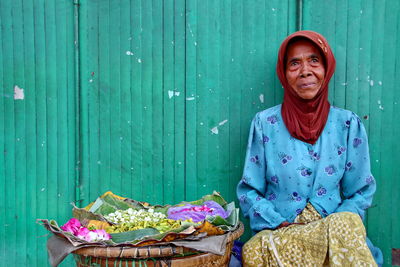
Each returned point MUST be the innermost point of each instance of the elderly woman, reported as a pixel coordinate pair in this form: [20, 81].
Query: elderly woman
[307, 180]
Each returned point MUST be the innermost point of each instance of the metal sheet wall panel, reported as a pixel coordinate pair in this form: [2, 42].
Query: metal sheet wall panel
[37, 125]
[365, 38]
[164, 83]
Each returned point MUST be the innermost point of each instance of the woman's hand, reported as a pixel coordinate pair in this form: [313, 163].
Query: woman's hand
[286, 224]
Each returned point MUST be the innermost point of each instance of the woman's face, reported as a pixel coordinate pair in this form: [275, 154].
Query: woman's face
[305, 71]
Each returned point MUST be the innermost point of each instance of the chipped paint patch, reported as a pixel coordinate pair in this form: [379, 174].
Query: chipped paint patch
[189, 98]
[261, 98]
[18, 93]
[173, 93]
[222, 122]
[380, 105]
[129, 53]
[380, 82]
[214, 130]
[371, 82]
[139, 60]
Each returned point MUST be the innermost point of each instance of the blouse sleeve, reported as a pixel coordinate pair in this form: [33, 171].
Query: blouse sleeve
[252, 187]
[357, 185]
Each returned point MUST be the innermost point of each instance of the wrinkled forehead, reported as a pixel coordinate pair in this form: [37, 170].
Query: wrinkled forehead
[303, 41]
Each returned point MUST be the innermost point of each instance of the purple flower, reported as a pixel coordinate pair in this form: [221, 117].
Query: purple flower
[298, 211]
[284, 158]
[245, 180]
[295, 196]
[321, 191]
[330, 170]
[242, 198]
[304, 171]
[265, 139]
[369, 180]
[314, 155]
[271, 196]
[275, 179]
[357, 142]
[254, 159]
[272, 119]
[340, 150]
[349, 166]
[256, 213]
[258, 198]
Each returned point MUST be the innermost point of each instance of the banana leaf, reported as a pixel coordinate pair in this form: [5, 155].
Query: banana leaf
[107, 204]
[134, 236]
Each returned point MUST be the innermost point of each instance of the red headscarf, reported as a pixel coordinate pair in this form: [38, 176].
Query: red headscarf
[305, 119]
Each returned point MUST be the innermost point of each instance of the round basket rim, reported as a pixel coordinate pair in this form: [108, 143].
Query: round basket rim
[154, 250]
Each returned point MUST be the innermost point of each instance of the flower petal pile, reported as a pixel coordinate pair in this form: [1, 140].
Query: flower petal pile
[75, 227]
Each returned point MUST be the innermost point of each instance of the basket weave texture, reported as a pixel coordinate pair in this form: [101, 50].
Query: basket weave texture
[154, 256]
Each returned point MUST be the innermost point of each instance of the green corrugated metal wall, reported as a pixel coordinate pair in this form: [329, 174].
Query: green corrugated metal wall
[153, 100]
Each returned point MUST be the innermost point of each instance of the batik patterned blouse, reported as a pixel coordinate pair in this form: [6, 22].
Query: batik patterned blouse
[282, 174]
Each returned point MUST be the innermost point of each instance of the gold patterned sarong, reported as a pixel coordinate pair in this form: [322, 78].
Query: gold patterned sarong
[337, 240]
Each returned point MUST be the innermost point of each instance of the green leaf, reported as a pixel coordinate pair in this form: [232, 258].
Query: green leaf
[132, 236]
[229, 223]
[82, 214]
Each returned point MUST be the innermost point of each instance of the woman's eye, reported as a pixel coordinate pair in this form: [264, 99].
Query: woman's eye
[315, 60]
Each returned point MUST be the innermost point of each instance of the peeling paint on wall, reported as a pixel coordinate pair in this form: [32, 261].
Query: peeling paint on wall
[214, 130]
[173, 93]
[18, 93]
[262, 98]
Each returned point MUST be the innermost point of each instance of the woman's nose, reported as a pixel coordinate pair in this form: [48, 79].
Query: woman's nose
[305, 70]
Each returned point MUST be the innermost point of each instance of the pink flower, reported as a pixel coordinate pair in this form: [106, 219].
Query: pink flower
[83, 233]
[72, 226]
[102, 234]
[92, 235]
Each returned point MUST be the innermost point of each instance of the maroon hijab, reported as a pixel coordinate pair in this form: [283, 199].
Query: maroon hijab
[305, 119]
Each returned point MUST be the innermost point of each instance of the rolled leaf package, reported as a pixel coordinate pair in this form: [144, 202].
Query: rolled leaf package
[197, 213]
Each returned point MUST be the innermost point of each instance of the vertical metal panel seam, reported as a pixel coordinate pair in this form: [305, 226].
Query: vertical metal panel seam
[163, 100]
[185, 107]
[299, 15]
[78, 108]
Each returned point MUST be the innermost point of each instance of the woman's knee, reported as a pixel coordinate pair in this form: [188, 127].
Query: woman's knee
[345, 215]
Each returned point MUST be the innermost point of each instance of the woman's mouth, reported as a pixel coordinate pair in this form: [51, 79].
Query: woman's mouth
[307, 85]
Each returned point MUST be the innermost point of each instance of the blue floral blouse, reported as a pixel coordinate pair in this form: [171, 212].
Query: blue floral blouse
[281, 173]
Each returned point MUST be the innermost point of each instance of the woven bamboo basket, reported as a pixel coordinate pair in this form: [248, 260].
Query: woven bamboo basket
[154, 256]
